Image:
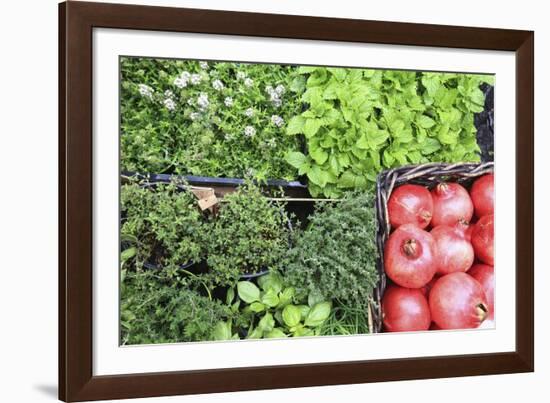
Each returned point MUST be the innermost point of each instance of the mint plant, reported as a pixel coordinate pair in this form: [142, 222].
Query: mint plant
[360, 121]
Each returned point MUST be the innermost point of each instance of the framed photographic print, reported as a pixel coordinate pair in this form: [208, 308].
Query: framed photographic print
[252, 201]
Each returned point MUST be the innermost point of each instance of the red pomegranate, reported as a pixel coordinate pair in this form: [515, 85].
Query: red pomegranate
[410, 256]
[405, 310]
[457, 301]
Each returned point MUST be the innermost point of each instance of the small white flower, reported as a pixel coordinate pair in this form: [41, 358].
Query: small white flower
[169, 104]
[241, 75]
[196, 79]
[190, 102]
[168, 94]
[228, 101]
[248, 82]
[182, 80]
[249, 131]
[194, 115]
[269, 89]
[202, 101]
[146, 91]
[249, 112]
[277, 102]
[277, 120]
[217, 85]
[204, 65]
[280, 90]
[228, 136]
[272, 143]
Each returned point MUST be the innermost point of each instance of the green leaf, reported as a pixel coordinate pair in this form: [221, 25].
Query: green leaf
[270, 298]
[248, 291]
[230, 295]
[362, 142]
[295, 125]
[425, 121]
[304, 310]
[338, 72]
[311, 127]
[222, 331]
[272, 281]
[257, 307]
[314, 298]
[430, 146]
[291, 315]
[319, 155]
[276, 333]
[285, 297]
[347, 180]
[267, 323]
[295, 158]
[318, 314]
[316, 176]
[256, 333]
[128, 253]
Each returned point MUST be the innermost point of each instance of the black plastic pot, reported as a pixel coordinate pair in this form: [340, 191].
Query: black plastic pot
[212, 181]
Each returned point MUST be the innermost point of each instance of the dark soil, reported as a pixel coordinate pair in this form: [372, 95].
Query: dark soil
[484, 122]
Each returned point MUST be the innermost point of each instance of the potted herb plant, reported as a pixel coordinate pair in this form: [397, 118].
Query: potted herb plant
[166, 224]
[335, 257]
[249, 236]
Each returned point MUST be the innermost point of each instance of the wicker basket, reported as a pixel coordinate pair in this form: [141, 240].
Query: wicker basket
[427, 175]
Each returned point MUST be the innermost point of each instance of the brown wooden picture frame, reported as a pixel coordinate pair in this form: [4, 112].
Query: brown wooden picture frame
[76, 23]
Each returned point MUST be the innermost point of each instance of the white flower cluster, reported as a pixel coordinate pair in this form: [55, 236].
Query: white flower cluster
[217, 85]
[202, 101]
[271, 143]
[249, 131]
[228, 136]
[249, 112]
[146, 91]
[182, 80]
[248, 82]
[204, 65]
[228, 101]
[241, 75]
[194, 115]
[277, 120]
[196, 79]
[169, 102]
[275, 94]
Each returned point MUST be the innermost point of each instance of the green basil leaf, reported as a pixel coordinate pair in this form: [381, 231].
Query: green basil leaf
[270, 298]
[248, 291]
[291, 315]
[276, 333]
[318, 314]
[295, 158]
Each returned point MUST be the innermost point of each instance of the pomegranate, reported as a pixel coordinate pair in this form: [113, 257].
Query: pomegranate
[454, 252]
[405, 310]
[457, 301]
[483, 195]
[410, 256]
[483, 239]
[485, 275]
[410, 204]
[451, 204]
[428, 287]
[464, 229]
